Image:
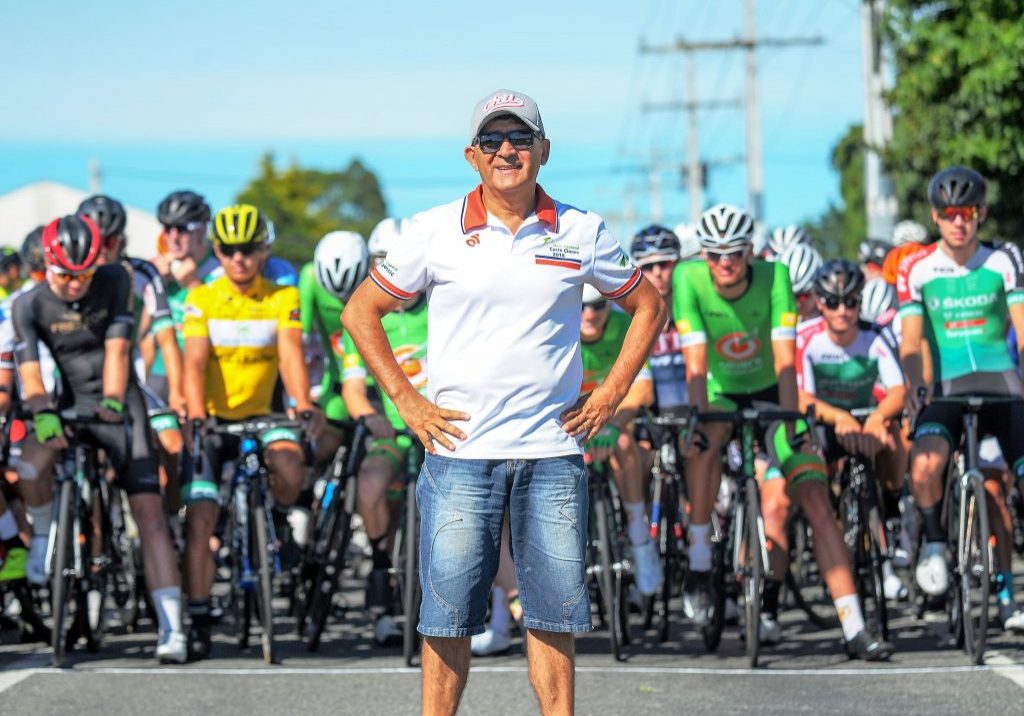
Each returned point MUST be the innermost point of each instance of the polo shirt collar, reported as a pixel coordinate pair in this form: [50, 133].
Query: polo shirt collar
[474, 213]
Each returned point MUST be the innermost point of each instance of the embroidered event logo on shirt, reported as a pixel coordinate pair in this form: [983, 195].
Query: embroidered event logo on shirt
[559, 254]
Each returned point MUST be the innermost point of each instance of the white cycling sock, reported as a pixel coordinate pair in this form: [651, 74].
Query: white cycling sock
[700, 548]
[637, 527]
[8, 526]
[848, 609]
[40, 518]
[167, 603]
[500, 616]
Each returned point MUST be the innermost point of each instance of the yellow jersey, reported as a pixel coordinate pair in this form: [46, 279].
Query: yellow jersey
[242, 329]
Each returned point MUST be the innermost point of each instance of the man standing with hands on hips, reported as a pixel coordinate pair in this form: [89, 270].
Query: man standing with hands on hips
[504, 269]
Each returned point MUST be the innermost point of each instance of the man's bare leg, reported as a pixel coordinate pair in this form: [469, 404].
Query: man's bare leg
[551, 657]
[445, 670]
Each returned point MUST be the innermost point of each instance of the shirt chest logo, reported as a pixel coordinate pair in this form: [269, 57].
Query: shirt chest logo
[558, 254]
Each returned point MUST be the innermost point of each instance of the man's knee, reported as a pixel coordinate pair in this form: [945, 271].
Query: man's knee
[775, 503]
[928, 458]
[375, 475]
[287, 472]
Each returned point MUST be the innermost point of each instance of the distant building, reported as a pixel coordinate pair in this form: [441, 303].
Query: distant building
[27, 207]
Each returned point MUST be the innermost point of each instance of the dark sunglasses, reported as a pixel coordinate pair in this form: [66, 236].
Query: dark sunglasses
[229, 250]
[664, 265]
[599, 305]
[189, 228]
[492, 142]
[716, 256]
[832, 303]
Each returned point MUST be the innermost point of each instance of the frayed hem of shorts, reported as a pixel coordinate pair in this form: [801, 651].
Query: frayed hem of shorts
[559, 628]
[451, 633]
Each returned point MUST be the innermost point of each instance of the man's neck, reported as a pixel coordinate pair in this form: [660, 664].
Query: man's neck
[511, 208]
[843, 338]
[739, 288]
[960, 254]
[244, 287]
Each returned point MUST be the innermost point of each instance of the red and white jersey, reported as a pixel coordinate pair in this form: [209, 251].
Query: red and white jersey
[504, 316]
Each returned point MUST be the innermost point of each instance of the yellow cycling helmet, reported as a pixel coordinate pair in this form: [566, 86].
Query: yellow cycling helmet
[241, 224]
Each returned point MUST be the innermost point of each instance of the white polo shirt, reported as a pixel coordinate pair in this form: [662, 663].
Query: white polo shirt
[504, 316]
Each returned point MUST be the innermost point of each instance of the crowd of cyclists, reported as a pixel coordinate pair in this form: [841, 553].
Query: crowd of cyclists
[143, 359]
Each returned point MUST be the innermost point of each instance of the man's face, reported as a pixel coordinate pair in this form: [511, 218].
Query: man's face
[840, 315]
[241, 263]
[728, 268]
[69, 287]
[659, 273]
[112, 249]
[508, 169]
[9, 277]
[806, 306]
[958, 225]
[185, 241]
[594, 319]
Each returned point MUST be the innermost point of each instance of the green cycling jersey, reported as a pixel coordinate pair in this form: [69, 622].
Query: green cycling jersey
[321, 314]
[600, 355]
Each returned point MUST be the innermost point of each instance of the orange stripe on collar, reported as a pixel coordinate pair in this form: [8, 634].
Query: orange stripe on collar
[474, 213]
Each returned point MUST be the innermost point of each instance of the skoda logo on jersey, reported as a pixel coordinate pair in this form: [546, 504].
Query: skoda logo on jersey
[980, 301]
[738, 347]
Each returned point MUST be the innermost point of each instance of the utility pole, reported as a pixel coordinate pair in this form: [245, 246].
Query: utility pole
[880, 198]
[750, 43]
[95, 177]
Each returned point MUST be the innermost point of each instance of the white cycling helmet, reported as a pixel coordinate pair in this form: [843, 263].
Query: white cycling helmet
[803, 262]
[877, 297]
[785, 236]
[689, 242]
[725, 227]
[591, 294]
[384, 235]
[760, 244]
[341, 259]
[907, 232]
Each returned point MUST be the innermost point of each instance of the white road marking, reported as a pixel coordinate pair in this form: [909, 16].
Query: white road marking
[1005, 667]
[18, 671]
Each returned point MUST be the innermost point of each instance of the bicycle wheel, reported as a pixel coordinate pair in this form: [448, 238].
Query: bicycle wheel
[606, 577]
[410, 575]
[753, 571]
[712, 631]
[878, 615]
[954, 595]
[263, 564]
[975, 570]
[325, 584]
[125, 577]
[241, 595]
[671, 556]
[63, 579]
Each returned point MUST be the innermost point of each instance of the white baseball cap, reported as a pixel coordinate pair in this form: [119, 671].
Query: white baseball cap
[501, 102]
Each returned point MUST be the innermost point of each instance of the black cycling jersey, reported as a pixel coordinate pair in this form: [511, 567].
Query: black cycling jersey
[75, 332]
[145, 275]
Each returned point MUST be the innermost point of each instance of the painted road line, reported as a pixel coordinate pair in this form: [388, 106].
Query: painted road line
[19, 670]
[1005, 667]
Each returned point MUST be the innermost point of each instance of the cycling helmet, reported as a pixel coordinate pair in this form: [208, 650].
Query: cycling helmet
[803, 262]
[241, 224]
[182, 208]
[838, 278]
[725, 227]
[72, 243]
[32, 251]
[956, 186]
[341, 260]
[689, 243]
[654, 243]
[760, 245]
[9, 257]
[108, 214]
[877, 298]
[785, 236]
[873, 251]
[384, 236]
[591, 294]
[909, 232]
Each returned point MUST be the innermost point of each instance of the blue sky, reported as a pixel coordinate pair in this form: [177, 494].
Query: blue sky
[191, 93]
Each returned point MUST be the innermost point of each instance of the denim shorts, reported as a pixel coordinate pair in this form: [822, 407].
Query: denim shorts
[462, 505]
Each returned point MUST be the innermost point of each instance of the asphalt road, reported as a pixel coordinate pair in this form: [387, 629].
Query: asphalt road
[808, 673]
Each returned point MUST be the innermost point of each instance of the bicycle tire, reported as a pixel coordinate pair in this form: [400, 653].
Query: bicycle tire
[975, 571]
[241, 605]
[874, 525]
[411, 594]
[606, 578]
[954, 595]
[62, 584]
[711, 633]
[263, 563]
[321, 596]
[753, 572]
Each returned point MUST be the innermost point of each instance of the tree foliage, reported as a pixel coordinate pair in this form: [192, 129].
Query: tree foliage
[305, 204]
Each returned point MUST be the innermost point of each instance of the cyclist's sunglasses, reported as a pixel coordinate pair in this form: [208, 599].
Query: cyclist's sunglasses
[68, 276]
[598, 305]
[716, 256]
[664, 265]
[229, 250]
[967, 213]
[491, 142]
[832, 303]
[190, 227]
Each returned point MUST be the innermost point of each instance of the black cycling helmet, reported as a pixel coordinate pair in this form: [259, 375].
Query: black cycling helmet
[182, 208]
[72, 244]
[32, 251]
[956, 186]
[654, 242]
[838, 278]
[873, 251]
[9, 257]
[106, 213]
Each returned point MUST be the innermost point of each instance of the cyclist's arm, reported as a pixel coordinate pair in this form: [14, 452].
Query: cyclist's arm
[640, 395]
[293, 367]
[696, 356]
[362, 321]
[783, 322]
[910, 350]
[307, 298]
[1017, 319]
[147, 349]
[26, 340]
[357, 402]
[6, 386]
[784, 353]
[647, 309]
[197, 357]
[168, 342]
[116, 364]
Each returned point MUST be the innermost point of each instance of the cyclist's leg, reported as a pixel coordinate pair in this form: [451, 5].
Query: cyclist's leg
[629, 480]
[285, 463]
[164, 424]
[1003, 422]
[327, 445]
[938, 432]
[36, 487]
[13, 554]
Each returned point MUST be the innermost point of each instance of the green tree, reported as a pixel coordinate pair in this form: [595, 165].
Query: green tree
[959, 99]
[305, 204]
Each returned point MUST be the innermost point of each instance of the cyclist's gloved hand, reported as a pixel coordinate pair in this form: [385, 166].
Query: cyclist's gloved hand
[111, 410]
[603, 443]
[47, 425]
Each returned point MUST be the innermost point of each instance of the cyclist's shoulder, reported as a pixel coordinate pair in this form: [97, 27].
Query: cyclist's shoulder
[281, 272]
